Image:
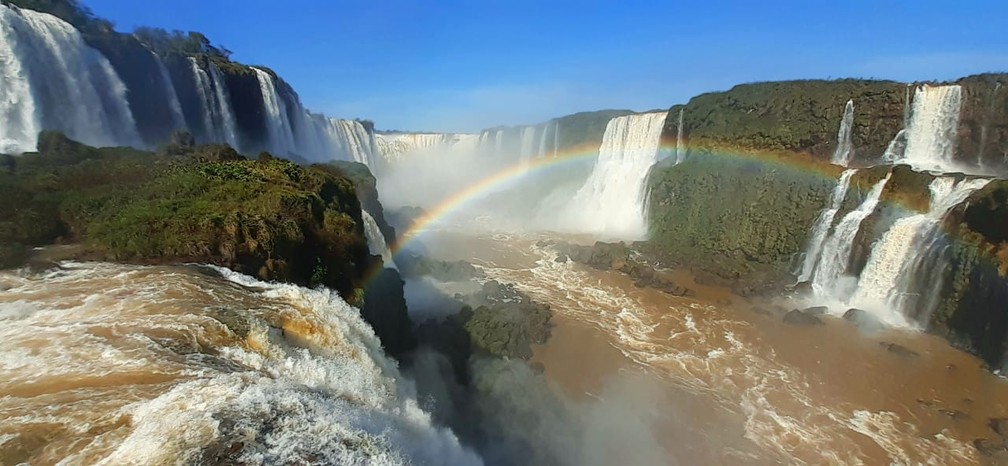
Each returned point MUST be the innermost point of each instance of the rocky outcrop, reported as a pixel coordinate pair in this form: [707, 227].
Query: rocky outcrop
[802, 117]
[742, 218]
[793, 116]
[802, 318]
[268, 218]
[366, 188]
[973, 313]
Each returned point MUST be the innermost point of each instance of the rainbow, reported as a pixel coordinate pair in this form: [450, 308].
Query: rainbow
[535, 167]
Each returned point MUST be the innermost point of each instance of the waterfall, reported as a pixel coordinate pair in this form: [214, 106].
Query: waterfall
[823, 224]
[392, 147]
[218, 116]
[836, 249]
[894, 283]
[225, 111]
[611, 201]
[931, 131]
[376, 241]
[556, 137]
[680, 151]
[845, 150]
[205, 95]
[542, 140]
[527, 142]
[906, 106]
[499, 141]
[50, 79]
[281, 133]
[894, 151]
[349, 138]
[174, 106]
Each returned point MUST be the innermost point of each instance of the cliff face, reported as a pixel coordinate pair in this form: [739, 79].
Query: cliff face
[804, 116]
[795, 116]
[268, 218]
[983, 121]
[740, 218]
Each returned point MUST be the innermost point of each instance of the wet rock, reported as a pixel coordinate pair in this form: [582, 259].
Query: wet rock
[898, 350]
[236, 322]
[816, 310]
[562, 258]
[802, 288]
[863, 319]
[796, 317]
[991, 447]
[675, 290]
[999, 425]
[954, 414]
[761, 311]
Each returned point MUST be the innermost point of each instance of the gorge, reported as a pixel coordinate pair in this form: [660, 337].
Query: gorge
[197, 269]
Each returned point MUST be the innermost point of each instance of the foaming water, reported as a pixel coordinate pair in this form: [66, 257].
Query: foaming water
[112, 364]
[757, 390]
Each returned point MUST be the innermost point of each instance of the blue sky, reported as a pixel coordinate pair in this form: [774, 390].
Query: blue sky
[466, 65]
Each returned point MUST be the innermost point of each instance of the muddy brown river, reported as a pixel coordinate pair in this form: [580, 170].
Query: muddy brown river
[742, 387]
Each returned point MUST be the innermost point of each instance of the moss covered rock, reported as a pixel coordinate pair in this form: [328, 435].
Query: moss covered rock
[740, 218]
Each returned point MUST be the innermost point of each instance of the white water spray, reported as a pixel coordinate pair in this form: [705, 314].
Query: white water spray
[889, 285]
[281, 133]
[822, 225]
[611, 202]
[376, 240]
[845, 148]
[51, 80]
[931, 131]
[836, 250]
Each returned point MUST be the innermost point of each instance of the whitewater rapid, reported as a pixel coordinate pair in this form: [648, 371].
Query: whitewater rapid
[753, 399]
[117, 364]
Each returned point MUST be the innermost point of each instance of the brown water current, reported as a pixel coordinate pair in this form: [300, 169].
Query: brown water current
[745, 387]
[116, 364]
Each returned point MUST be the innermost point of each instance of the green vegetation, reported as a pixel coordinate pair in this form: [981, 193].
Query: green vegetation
[268, 218]
[742, 219]
[794, 116]
[71, 11]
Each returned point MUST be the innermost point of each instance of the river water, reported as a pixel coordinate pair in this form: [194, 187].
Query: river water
[116, 364]
[743, 387]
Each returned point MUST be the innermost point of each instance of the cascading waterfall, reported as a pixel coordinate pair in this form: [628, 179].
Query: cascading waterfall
[281, 132]
[822, 225]
[611, 201]
[376, 241]
[836, 250]
[206, 99]
[894, 283]
[50, 79]
[218, 116]
[680, 151]
[894, 151]
[229, 126]
[174, 106]
[556, 137]
[499, 141]
[845, 149]
[542, 141]
[527, 144]
[931, 131]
